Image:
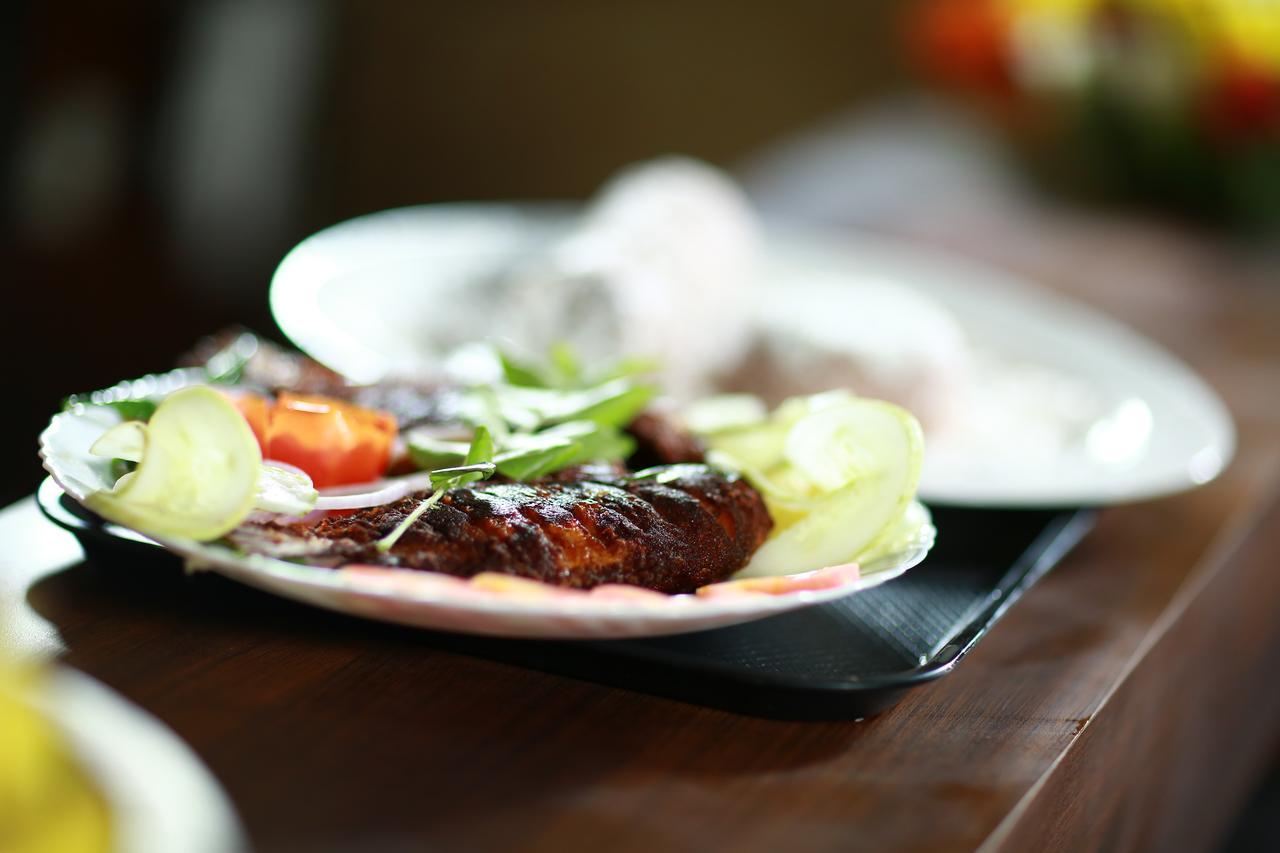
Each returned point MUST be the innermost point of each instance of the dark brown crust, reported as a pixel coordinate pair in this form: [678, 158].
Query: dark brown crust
[661, 440]
[268, 366]
[670, 529]
[272, 368]
[411, 403]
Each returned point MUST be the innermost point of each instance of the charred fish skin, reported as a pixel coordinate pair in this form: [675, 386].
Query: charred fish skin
[662, 440]
[270, 368]
[672, 529]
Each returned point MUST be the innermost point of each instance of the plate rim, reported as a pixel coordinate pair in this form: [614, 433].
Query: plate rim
[1031, 298]
[257, 571]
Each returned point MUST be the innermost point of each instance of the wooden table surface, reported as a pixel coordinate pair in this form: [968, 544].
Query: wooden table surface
[1129, 701]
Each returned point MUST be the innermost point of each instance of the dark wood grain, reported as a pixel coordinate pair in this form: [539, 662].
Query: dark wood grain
[1127, 702]
[1167, 756]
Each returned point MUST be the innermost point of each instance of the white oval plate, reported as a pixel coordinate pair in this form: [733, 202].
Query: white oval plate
[365, 297]
[431, 600]
[161, 796]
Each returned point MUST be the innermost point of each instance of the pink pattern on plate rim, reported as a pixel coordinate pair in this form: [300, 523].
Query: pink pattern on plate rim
[510, 587]
[831, 577]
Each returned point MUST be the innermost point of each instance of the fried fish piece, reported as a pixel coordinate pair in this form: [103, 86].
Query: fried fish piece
[662, 440]
[671, 528]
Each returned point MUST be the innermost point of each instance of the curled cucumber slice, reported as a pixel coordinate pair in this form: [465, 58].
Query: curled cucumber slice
[197, 477]
[126, 440]
[724, 412]
[838, 474]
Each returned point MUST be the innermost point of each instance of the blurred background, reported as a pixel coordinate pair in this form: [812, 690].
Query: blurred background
[159, 158]
[162, 157]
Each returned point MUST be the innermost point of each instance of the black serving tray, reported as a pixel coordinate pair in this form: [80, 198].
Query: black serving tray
[843, 660]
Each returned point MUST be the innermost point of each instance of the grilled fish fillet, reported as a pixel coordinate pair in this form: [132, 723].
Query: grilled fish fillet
[671, 529]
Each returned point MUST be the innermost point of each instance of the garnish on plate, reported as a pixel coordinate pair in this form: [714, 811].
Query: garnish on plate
[335, 442]
[477, 465]
[197, 468]
[838, 473]
[527, 476]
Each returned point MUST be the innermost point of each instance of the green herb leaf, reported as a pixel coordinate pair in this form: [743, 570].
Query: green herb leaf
[429, 452]
[629, 367]
[563, 370]
[573, 443]
[490, 412]
[226, 366]
[520, 374]
[531, 463]
[606, 444]
[543, 418]
[564, 362]
[527, 456]
[615, 403]
[134, 410]
[461, 475]
[387, 542]
[478, 466]
[130, 410]
[481, 450]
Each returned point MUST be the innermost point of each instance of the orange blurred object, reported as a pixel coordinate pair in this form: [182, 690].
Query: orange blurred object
[335, 442]
[257, 411]
[964, 42]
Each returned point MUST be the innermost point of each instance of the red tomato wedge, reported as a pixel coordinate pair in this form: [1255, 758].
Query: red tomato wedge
[335, 442]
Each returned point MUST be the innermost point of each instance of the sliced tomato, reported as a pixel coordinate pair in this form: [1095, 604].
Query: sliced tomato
[257, 411]
[335, 442]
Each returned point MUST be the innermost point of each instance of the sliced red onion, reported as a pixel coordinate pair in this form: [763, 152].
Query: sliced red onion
[375, 494]
[363, 495]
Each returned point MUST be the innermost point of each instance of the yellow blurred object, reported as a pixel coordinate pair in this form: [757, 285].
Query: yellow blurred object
[1252, 29]
[47, 804]
[1244, 30]
[1170, 103]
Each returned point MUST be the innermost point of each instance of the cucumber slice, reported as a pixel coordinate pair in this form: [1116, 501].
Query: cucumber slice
[897, 536]
[198, 476]
[724, 411]
[127, 440]
[833, 447]
[838, 474]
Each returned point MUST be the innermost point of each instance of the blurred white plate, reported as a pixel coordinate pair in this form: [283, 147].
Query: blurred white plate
[161, 796]
[1067, 407]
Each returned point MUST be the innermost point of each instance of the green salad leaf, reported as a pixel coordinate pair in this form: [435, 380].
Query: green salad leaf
[563, 370]
[477, 465]
[537, 431]
[134, 410]
[130, 410]
[539, 420]
[526, 457]
[612, 403]
[226, 366]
